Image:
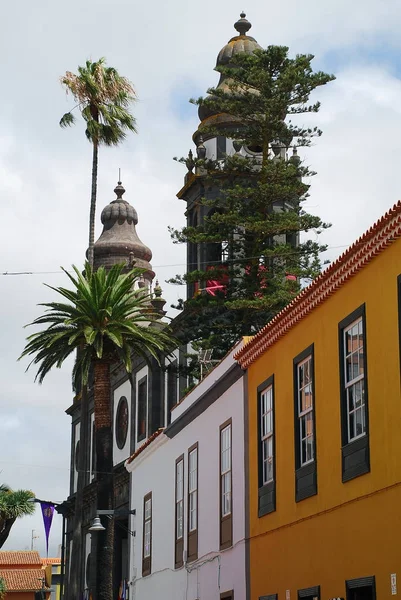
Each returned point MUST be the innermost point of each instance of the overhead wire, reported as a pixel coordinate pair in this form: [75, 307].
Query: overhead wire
[217, 262]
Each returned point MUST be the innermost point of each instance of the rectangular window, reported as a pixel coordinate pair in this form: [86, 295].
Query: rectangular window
[363, 588]
[221, 147]
[172, 388]
[266, 448]
[312, 593]
[354, 396]
[142, 408]
[305, 433]
[266, 433]
[147, 535]
[179, 512]
[354, 379]
[226, 508]
[193, 503]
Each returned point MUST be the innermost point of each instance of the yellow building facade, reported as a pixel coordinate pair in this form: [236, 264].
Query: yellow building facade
[324, 432]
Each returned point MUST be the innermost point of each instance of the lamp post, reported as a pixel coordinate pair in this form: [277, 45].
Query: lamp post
[115, 514]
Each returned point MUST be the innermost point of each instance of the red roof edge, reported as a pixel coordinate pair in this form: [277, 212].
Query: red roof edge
[380, 235]
[144, 445]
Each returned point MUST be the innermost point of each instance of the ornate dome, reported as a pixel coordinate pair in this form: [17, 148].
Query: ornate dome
[237, 45]
[119, 241]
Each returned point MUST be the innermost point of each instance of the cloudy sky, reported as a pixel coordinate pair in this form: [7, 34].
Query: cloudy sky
[168, 50]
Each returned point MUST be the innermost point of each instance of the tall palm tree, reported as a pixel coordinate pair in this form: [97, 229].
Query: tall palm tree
[107, 320]
[103, 97]
[13, 505]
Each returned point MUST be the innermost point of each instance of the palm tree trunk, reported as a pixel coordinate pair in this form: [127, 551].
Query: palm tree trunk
[92, 211]
[104, 458]
[5, 528]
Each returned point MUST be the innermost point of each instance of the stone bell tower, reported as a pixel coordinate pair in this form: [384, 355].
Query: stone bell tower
[199, 256]
[119, 241]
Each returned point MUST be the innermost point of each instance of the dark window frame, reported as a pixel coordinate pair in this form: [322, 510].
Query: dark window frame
[355, 454]
[313, 591]
[141, 437]
[172, 385]
[269, 597]
[192, 536]
[267, 491]
[147, 561]
[179, 542]
[352, 584]
[305, 475]
[226, 543]
[93, 474]
[227, 595]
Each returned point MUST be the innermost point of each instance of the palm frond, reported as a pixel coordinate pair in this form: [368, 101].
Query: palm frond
[67, 120]
[105, 316]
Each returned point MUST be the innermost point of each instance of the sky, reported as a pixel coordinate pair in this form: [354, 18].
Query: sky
[168, 50]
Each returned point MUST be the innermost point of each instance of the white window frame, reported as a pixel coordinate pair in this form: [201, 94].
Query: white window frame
[193, 489]
[266, 434]
[179, 499]
[307, 414]
[226, 470]
[353, 383]
[139, 377]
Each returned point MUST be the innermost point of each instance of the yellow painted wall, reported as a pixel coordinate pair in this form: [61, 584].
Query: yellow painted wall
[313, 542]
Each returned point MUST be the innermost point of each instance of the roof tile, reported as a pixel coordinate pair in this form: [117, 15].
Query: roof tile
[20, 557]
[27, 580]
[382, 234]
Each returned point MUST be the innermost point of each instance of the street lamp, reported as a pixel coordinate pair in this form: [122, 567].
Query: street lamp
[118, 512]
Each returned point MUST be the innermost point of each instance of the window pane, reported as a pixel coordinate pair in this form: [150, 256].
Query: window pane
[268, 460]
[309, 448]
[179, 480]
[226, 494]
[192, 511]
[148, 505]
[147, 539]
[180, 519]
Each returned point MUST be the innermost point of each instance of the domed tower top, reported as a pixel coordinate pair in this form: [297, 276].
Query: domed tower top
[239, 43]
[119, 241]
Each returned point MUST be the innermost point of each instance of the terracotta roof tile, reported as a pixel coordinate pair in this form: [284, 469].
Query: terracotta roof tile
[26, 580]
[20, 557]
[51, 561]
[144, 445]
[382, 234]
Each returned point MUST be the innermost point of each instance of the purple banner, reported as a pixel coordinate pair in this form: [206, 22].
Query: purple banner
[47, 512]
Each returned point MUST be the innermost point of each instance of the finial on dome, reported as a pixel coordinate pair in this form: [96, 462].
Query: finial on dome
[242, 25]
[157, 289]
[295, 159]
[119, 190]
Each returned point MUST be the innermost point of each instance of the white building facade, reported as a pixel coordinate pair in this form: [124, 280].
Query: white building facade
[188, 492]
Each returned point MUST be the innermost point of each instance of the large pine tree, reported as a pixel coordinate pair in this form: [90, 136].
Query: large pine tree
[257, 233]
